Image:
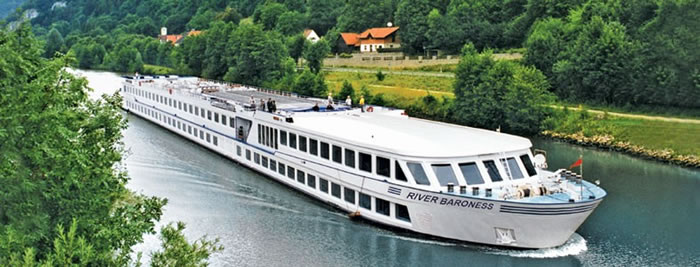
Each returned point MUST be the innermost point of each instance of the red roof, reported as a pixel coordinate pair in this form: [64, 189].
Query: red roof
[171, 38]
[378, 33]
[307, 32]
[194, 33]
[350, 38]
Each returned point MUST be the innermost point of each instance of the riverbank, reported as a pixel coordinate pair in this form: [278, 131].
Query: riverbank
[664, 139]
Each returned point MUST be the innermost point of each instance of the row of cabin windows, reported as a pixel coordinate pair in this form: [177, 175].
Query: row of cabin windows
[267, 136]
[336, 190]
[189, 108]
[340, 155]
[185, 128]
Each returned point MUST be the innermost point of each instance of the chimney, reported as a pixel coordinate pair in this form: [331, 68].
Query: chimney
[164, 31]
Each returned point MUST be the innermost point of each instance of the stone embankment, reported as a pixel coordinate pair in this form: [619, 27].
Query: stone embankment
[609, 142]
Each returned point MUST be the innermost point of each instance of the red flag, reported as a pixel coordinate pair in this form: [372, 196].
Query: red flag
[577, 163]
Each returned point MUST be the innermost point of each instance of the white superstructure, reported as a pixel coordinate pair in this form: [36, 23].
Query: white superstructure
[429, 177]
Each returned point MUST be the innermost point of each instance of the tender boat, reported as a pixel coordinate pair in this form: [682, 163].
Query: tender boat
[377, 163]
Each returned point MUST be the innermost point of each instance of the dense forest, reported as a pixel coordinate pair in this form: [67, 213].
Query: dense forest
[602, 52]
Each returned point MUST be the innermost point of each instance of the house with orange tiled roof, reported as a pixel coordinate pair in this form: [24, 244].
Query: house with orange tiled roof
[370, 40]
[176, 39]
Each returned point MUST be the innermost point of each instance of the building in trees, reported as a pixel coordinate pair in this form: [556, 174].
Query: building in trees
[311, 35]
[176, 39]
[370, 40]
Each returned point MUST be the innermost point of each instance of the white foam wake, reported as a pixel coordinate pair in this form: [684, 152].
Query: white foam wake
[574, 246]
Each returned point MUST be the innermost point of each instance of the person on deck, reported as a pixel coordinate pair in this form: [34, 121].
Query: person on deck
[252, 103]
[330, 99]
[262, 104]
[348, 101]
[269, 104]
[362, 103]
[316, 108]
[274, 106]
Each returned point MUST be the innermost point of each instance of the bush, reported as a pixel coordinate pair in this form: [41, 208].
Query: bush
[380, 76]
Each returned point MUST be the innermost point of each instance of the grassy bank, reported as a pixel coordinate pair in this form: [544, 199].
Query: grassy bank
[396, 88]
[669, 141]
[430, 68]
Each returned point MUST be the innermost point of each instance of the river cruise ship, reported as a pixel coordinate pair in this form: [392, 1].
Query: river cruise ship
[433, 178]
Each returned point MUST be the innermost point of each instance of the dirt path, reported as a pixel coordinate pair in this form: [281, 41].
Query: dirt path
[635, 116]
[400, 72]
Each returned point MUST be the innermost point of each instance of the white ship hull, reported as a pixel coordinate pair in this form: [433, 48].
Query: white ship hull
[445, 215]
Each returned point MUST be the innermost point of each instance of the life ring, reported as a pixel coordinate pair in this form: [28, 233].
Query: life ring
[370, 109]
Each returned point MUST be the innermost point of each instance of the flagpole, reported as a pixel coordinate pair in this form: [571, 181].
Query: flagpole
[581, 170]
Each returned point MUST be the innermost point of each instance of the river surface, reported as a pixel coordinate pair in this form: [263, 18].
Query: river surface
[651, 216]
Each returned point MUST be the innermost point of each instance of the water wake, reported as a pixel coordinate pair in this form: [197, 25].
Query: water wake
[574, 246]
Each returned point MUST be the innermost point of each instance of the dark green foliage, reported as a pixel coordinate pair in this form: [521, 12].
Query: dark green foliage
[359, 15]
[256, 56]
[315, 53]
[380, 76]
[347, 90]
[499, 94]
[296, 46]
[411, 16]
[291, 22]
[268, 14]
[432, 108]
[9, 6]
[54, 43]
[62, 166]
[323, 14]
[310, 84]
[178, 252]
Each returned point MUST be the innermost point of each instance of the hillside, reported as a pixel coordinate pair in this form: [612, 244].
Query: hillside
[619, 53]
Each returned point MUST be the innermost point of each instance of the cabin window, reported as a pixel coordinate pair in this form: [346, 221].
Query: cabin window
[418, 173]
[514, 168]
[283, 138]
[195, 132]
[196, 111]
[337, 154]
[365, 201]
[189, 129]
[493, 171]
[203, 114]
[402, 212]
[216, 117]
[301, 176]
[350, 158]
[256, 158]
[264, 161]
[365, 162]
[382, 206]
[215, 139]
[179, 105]
[324, 150]
[302, 143]
[444, 174]
[335, 190]
[398, 172]
[471, 173]
[223, 119]
[274, 138]
[292, 140]
[208, 114]
[529, 167]
[259, 134]
[383, 166]
[311, 181]
[190, 107]
[231, 122]
[349, 195]
[201, 134]
[290, 172]
[281, 169]
[323, 185]
[208, 138]
[247, 154]
[313, 147]
[273, 165]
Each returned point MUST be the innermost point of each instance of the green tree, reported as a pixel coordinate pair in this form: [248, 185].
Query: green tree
[544, 45]
[268, 14]
[315, 54]
[411, 16]
[323, 14]
[54, 43]
[490, 94]
[359, 15]
[347, 90]
[296, 45]
[291, 22]
[61, 166]
[257, 56]
[229, 15]
[305, 83]
[178, 252]
[441, 34]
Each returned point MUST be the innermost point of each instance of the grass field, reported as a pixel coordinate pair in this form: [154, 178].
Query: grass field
[430, 68]
[399, 89]
[683, 138]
